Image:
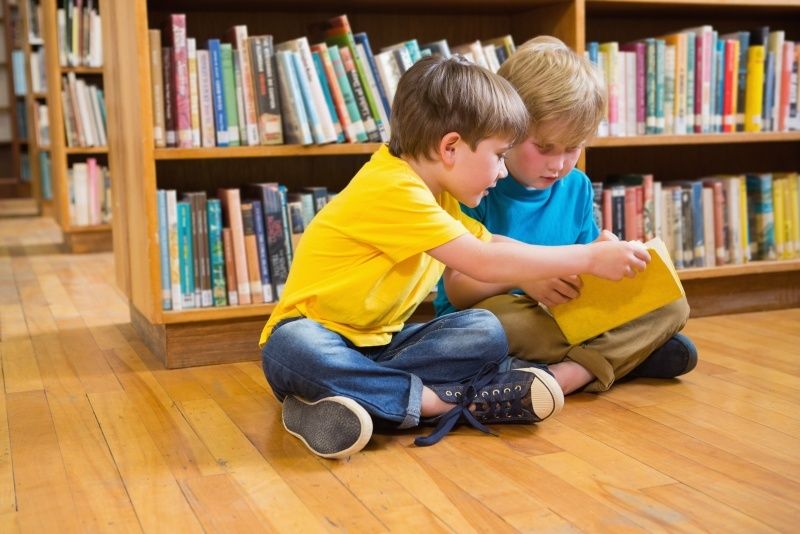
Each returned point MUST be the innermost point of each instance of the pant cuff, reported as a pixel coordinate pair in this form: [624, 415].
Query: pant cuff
[414, 404]
[595, 363]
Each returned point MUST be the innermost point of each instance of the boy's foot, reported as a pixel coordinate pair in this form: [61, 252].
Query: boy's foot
[333, 427]
[676, 357]
[527, 395]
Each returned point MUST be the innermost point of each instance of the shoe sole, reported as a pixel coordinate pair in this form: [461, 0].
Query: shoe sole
[334, 427]
[547, 398]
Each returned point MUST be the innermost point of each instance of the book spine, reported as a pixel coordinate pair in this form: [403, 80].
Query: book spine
[278, 256]
[755, 89]
[216, 253]
[311, 112]
[220, 115]
[231, 203]
[373, 85]
[263, 253]
[246, 61]
[315, 90]
[229, 92]
[337, 97]
[698, 225]
[194, 96]
[180, 81]
[295, 123]
[169, 107]
[186, 254]
[239, 91]
[251, 252]
[206, 98]
[174, 250]
[354, 80]
[326, 92]
[156, 88]
[368, 58]
[273, 129]
[230, 267]
[163, 250]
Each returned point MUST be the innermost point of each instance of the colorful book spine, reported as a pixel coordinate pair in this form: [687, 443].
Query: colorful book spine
[229, 93]
[219, 290]
[186, 254]
[181, 104]
[206, 99]
[326, 92]
[329, 75]
[174, 250]
[194, 93]
[362, 39]
[295, 122]
[220, 115]
[163, 250]
[312, 115]
[263, 253]
[358, 130]
[755, 89]
[156, 88]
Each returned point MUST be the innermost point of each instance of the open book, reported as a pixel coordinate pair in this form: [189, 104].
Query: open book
[605, 304]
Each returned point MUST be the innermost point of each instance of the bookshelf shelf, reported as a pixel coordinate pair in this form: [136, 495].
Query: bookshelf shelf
[87, 229]
[216, 335]
[82, 70]
[70, 150]
[265, 151]
[696, 139]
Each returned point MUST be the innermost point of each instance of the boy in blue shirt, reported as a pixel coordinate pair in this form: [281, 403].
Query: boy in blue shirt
[547, 201]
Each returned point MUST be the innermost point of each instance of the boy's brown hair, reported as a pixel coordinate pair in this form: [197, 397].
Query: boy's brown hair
[437, 96]
[557, 86]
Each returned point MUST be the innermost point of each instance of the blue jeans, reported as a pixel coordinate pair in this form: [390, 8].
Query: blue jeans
[305, 359]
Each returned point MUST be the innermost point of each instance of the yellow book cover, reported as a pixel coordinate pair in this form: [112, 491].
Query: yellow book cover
[754, 92]
[605, 304]
[779, 215]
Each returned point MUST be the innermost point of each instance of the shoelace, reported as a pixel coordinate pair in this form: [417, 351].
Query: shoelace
[447, 421]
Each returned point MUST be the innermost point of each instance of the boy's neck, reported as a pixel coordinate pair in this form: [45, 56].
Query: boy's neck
[428, 171]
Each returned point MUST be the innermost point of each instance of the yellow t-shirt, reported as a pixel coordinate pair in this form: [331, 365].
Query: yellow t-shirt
[361, 269]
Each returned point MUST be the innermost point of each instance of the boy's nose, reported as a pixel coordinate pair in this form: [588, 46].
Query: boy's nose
[502, 172]
[556, 164]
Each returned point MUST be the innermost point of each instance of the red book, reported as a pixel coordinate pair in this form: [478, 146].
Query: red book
[728, 108]
[181, 105]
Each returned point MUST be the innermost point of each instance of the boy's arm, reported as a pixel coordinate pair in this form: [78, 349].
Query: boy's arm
[515, 263]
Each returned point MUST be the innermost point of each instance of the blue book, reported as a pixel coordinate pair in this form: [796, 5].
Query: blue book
[218, 94]
[263, 253]
[287, 230]
[18, 71]
[357, 124]
[761, 216]
[186, 255]
[362, 39]
[308, 101]
[697, 232]
[326, 92]
[691, 61]
[593, 47]
[295, 124]
[219, 289]
[163, 250]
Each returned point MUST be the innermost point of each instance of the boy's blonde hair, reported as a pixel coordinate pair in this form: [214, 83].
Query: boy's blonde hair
[437, 96]
[557, 86]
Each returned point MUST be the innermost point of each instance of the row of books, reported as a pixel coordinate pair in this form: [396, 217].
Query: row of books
[80, 35]
[698, 81]
[89, 193]
[712, 221]
[247, 90]
[234, 249]
[84, 112]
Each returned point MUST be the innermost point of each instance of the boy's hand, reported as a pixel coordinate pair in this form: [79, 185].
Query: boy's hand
[553, 291]
[615, 259]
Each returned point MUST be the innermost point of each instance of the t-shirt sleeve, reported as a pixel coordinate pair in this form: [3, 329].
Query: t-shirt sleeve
[399, 217]
[589, 230]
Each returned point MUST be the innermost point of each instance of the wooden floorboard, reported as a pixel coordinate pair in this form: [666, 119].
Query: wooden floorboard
[96, 436]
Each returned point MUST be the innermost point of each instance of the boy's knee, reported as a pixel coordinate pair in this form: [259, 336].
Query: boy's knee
[681, 312]
[492, 335]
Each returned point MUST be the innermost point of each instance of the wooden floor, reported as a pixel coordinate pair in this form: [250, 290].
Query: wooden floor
[96, 436]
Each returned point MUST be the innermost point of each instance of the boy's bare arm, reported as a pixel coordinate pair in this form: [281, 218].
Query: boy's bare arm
[515, 263]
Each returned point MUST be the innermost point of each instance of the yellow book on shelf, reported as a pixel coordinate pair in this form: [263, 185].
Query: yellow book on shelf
[754, 92]
[605, 304]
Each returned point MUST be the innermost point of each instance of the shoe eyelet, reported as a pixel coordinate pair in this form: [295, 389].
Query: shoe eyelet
[518, 388]
[448, 393]
[506, 390]
[458, 394]
[495, 392]
[484, 394]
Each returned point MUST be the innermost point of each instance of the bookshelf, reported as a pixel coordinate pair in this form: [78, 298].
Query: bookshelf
[9, 141]
[215, 335]
[79, 236]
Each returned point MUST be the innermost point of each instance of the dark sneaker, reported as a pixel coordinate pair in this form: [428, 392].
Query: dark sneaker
[676, 357]
[333, 427]
[527, 395]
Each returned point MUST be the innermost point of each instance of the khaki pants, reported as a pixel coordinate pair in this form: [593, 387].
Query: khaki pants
[533, 335]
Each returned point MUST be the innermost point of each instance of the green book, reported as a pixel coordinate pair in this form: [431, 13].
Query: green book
[229, 91]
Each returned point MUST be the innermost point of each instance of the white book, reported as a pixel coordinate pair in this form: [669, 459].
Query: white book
[61, 23]
[300, 45]
[85, 114]
[491, 57]
[389, 73]
[80, 180]
[194, 103]
[237, 86]
[373, 86]
[669, 89]
[622, 94]
[630, 92]
[96, 40]
[658, 210]
[205, 99]
[97, 114]
[708, 227]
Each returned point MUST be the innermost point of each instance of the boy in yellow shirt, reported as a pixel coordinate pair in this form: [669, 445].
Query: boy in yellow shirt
[337, 350]
[547, 201]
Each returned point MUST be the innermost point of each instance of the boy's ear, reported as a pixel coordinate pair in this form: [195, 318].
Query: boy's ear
[447, 147]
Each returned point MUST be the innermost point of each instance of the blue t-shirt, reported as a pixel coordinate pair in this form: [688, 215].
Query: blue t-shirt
[559, 215]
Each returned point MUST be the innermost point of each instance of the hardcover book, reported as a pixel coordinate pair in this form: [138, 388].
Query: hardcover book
[606, 304]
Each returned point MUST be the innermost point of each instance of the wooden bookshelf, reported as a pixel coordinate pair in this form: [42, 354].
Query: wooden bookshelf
[9, 148]
[77, 238]
[217, 335]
